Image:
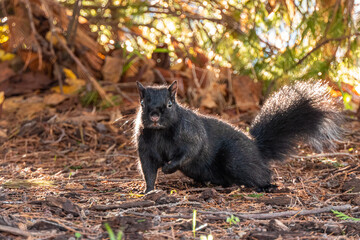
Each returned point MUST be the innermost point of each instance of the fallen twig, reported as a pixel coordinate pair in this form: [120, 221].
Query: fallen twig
[161, 205]
[14, 231]
[338, 195]
[126, 205]
[34, 32]
[326, 155]
[56, 70]
[224, 214]
[58, 140]
[284, 214]
[71, 31]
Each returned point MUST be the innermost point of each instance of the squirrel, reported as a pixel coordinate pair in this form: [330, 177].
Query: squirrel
[172, 137]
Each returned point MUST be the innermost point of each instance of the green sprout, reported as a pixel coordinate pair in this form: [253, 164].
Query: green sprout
[256, 195]
[77, 235]
[232, 220]
[112, 234]
[194, 222]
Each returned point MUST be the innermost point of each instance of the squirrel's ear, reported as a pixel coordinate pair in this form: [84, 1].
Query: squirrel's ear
[141, 89]
[172, 89]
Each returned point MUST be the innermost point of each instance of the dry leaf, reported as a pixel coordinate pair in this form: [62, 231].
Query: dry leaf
[69, 74]
[2, 97]
[52, 38]
[112, 69]
[246, 93]
[3, 133]
[208, 101]
[25, 83]
[178, 66]
[12, 104]
[74, 84]
[100, 160]
[54, 99]
[24, 108]
[5, 74]
[29, 110]
[4, 56]
[73, 186]
[213, 97]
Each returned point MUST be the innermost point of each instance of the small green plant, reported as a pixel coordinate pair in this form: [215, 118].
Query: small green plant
[256, 195]
[70, 174]
[112, 234]
[232, 220]
[90, 98]
[77, 235]
[75, 167]
[208, 237]
[332, 162]
[343, 216]
[115, 99]
[194, 222]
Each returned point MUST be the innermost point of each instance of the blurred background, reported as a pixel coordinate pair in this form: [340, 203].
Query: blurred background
[226, 55]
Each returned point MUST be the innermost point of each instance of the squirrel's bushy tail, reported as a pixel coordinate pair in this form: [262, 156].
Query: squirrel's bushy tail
[303, 112]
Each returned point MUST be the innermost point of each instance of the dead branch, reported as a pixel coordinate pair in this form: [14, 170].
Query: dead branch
[3, 8]
[224, 214]
[74, 22]
[320, 44]
[283, 214]
[93, 81]
[338, 195]
[126, 205]
[161, 205]
[34, 32]
[177, 216]
[14, 231]
[56, 70]
[327, 155]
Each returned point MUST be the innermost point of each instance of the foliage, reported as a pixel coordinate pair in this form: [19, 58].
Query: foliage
[77, 235]
[232, 220]
[256, 195]
[343, 216]
[267, 40]
[111, 233]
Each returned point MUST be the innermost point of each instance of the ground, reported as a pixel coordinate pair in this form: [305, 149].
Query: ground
[65, 173]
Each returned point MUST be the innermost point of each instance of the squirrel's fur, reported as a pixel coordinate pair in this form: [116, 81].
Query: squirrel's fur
[172, 137]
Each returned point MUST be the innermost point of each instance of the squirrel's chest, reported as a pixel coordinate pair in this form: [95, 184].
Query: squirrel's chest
[165, 144]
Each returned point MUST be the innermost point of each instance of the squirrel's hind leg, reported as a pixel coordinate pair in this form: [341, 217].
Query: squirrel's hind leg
[248, 169]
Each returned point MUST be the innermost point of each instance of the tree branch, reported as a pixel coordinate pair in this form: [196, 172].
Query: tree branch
[324, 42]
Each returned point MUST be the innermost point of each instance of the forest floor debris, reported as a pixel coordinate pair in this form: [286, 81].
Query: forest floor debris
[66, 174]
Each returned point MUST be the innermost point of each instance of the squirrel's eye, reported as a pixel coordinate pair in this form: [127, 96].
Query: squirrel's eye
[169, 105]
[142, 103]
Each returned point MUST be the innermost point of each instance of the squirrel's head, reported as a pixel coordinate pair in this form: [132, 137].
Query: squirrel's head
[158, 106]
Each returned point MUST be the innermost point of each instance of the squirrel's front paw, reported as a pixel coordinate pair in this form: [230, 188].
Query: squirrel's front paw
[168, 168]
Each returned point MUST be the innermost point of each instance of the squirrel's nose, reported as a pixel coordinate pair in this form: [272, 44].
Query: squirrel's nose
[154, 117]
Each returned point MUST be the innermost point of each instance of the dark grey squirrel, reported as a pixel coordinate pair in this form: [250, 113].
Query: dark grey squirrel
[207, 149]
